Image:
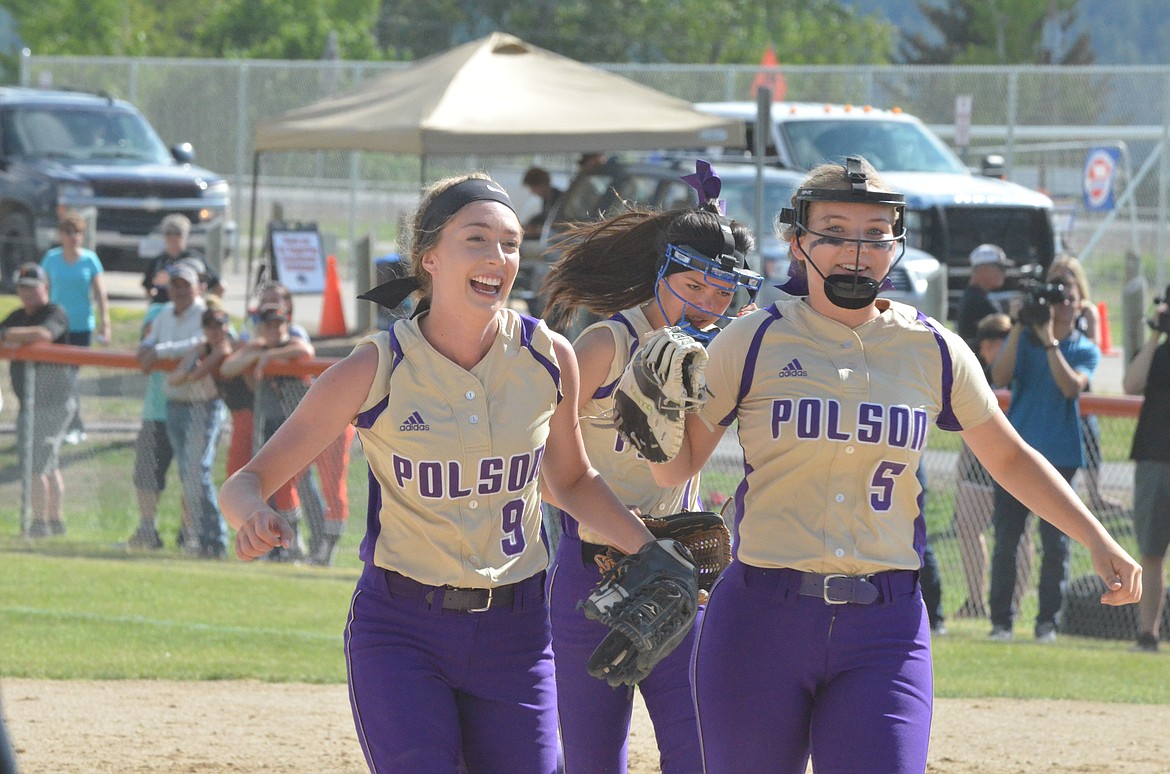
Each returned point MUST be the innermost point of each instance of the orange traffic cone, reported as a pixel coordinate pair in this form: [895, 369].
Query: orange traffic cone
[1106, 338]
[332, 315]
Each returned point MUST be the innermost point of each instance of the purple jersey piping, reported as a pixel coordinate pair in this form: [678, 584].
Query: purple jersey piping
[527, 328]
[749, 363]
[946, 418]
[606, 390]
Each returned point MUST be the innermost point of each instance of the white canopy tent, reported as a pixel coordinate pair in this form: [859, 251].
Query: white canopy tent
[496, 95]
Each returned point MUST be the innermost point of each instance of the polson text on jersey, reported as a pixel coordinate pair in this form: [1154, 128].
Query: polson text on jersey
[437, 479]
[819, 418]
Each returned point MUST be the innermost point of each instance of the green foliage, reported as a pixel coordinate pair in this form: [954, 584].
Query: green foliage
[289, 29]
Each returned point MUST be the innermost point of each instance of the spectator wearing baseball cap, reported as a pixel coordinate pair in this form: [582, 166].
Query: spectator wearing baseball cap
[176, 229]
[194, 410]
[989, 265]
[186, 270]
[31, 275]
[37, 321]
[277, 396]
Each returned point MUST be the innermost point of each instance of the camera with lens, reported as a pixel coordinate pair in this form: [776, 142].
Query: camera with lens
[1039, 298]
[1161, 321]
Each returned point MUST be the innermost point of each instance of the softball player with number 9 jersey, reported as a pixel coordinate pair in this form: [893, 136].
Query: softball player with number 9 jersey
[464, 411]
[815, 641]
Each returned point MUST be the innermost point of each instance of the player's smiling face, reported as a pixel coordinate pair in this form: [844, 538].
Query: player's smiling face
[702, 299]
[835, 224]
[477, 256]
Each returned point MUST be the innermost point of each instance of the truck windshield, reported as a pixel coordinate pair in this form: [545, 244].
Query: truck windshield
[81, 135]
[888, 145]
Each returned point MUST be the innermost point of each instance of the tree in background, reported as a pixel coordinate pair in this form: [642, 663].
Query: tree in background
[679, 31]
[276, 29]
[999, 32]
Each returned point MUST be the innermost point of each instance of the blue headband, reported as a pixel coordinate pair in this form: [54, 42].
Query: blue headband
[458, 196]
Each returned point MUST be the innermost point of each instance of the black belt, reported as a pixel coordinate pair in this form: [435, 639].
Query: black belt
[834, 588]
[837, 589]
[463, 600]
[474, 600]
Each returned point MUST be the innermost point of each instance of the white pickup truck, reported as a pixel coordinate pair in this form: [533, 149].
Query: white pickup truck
[950, 210]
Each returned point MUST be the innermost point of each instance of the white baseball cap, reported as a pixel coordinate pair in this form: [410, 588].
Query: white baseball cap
[989, 253]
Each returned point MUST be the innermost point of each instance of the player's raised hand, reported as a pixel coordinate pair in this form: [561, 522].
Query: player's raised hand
[263, 530]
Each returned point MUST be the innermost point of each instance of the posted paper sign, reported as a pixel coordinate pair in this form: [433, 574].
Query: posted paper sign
[300, 266]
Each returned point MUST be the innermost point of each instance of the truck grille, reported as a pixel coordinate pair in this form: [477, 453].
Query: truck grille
[135, 219]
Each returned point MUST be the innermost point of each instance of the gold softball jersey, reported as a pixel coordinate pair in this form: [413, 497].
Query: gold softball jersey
[454, 455]
[833, 422]
[626, 471]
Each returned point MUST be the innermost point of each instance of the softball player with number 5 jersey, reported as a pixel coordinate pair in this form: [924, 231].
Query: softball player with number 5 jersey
[815, 640]
[464, 412]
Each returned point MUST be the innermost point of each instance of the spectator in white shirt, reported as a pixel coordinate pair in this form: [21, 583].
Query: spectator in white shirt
[194, 410]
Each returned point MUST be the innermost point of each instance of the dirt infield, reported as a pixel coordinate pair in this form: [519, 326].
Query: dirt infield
[129, 727]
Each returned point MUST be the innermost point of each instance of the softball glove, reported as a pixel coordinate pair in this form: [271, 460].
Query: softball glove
[660, 385]
[649, 601]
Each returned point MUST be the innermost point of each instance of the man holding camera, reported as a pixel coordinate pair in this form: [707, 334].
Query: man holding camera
[989, 265]
[1047, 362]
[1148, 374]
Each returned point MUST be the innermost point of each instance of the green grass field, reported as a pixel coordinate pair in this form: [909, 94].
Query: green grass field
[76, 611]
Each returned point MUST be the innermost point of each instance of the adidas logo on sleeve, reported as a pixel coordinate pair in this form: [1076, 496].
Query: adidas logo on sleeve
[414, 422]
[794, 368]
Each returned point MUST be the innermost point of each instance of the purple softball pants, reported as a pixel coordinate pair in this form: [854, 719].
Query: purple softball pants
[437, 691]
[594, 718]
[780, 676]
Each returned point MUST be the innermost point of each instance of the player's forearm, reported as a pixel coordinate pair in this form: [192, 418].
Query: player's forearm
[1031, 479]
[1034, 482]
[240, 497]
[594, 504]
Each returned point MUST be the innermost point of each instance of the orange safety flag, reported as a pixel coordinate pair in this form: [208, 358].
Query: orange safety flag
[773, 80]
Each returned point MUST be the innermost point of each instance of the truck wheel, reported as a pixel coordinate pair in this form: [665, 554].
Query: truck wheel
[17, 246]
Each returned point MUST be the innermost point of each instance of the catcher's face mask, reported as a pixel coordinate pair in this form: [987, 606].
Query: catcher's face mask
[727, 270]
[849, 289]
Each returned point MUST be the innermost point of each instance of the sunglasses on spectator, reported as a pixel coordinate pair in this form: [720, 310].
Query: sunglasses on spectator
[70, 230]
[172, 232]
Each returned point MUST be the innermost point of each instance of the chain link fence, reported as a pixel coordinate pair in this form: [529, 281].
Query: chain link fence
[144, 478]
[106, 476]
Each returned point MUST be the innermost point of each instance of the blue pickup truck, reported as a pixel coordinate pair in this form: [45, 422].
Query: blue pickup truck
[100, 156]
[950, 210]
